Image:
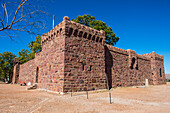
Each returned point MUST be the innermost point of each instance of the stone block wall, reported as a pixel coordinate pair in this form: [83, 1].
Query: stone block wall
[84, 58]
[51, 60]
[157, 67]
[126, 68]
[48, 65]
[28, 71]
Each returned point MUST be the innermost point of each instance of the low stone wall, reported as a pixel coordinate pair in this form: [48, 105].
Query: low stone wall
[28, 71]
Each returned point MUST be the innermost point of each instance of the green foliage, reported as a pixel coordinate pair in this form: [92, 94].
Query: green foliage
[35, 46]
[5, 65]
[90, 21]
[23, 56]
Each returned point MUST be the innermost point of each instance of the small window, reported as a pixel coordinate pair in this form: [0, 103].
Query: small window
[89, 37]
[101, 39]
[70, 32]
[137, 67]
[90, 67]
[97, 39]
[93, 38]
[81, 33]
[83, 66]
[75, 33]
[60, 30]
[132, 63]
[160, 72]
[85, 35]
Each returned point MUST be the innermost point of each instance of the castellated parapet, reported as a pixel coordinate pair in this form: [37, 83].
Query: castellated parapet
[68, 28]
[75, 57]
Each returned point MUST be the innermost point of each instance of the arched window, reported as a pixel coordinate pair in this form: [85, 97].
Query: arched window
[80, 33]
[93, 38]
[60, 30]
[75, 33]
[85, 35]
[70, 32]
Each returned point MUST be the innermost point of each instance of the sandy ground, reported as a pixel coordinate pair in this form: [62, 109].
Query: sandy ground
[154, 99]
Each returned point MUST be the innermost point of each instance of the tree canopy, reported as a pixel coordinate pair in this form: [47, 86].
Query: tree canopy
[24, 55]
[91, 21]
[35, 46]
[6, 59]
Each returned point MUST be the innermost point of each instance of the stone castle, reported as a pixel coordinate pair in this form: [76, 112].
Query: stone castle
[75, 57]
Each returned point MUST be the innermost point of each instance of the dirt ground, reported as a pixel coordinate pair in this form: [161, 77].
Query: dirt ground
[153, 99]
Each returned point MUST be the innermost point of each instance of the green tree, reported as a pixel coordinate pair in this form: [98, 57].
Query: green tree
[35, 46]
[91, 21]
[6, 66]
[23, 56]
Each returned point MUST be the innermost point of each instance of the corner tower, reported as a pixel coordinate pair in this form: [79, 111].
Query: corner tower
[80, 56]
[84, 64]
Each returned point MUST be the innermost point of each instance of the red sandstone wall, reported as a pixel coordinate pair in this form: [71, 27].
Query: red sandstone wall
[84, 59]
[144, 71]
[118, 67]
[50, 62]
[27, 71]
[157, 64]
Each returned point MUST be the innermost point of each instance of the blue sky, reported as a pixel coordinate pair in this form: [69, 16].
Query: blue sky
[142, 25]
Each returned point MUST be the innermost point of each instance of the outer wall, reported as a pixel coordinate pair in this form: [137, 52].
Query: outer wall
[120, 72]
[49, 64]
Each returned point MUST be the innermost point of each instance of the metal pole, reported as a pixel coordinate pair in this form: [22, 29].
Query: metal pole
[87, 94]
[110, 97]
[71, 92]
[53, 20]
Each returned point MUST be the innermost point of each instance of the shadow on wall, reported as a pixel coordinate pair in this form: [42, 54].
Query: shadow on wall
[108, 65]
